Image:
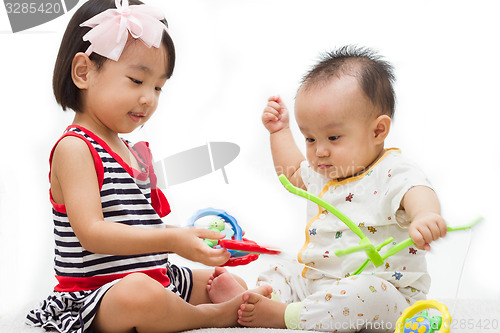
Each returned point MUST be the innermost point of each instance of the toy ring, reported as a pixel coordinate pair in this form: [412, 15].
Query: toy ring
[409, 323]
[243, 251]
[238, 232]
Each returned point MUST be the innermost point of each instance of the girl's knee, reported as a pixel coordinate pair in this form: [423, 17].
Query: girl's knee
[240, 281]
[138, 290]
[131, 302]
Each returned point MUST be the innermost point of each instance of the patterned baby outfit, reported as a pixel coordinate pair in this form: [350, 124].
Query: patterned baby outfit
[128, 196]
[326, 297]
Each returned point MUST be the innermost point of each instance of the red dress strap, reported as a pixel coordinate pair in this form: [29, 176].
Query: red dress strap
[158, 199]
[97, 163]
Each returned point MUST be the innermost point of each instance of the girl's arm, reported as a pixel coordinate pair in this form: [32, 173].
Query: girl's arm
[286, 155]
[74, 184]
[422, 206]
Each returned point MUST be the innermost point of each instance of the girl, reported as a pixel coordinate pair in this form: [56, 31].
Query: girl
[110, 244]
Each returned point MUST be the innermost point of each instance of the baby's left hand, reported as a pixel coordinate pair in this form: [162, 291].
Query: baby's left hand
[426, 228]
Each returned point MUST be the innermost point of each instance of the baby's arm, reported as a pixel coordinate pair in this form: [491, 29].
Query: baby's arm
[286, 155]
[74, 183]
[422, 206]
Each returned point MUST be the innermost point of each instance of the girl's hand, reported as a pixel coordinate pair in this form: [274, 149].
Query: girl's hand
[189, 244]
[426, 228]
[275, 116]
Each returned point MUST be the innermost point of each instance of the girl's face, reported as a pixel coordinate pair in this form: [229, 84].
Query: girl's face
[123, 94]
[338, 122]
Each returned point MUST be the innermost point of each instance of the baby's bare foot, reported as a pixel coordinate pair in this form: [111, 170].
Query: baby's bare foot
[225, 314]
[222, 286]
[260, 311]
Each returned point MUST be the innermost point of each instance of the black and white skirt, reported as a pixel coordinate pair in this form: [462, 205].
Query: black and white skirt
[73, 312]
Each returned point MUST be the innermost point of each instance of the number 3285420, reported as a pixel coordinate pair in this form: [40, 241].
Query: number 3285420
[475, 324]
[33, 8]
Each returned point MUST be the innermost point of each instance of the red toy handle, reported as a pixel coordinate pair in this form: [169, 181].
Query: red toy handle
[241, 260]
[246, 245]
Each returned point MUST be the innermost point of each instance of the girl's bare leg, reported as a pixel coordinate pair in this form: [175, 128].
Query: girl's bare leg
[139, 303]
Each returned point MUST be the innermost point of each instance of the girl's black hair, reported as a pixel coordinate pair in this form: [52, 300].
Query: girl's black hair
[66, 92]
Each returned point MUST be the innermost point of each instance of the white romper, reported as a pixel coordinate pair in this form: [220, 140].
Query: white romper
[330, 298]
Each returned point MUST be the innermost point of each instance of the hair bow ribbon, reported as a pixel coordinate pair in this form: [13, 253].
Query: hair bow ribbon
[110, 29]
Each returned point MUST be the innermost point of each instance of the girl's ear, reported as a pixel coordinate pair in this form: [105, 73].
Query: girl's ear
[382, 125]
[80, 68]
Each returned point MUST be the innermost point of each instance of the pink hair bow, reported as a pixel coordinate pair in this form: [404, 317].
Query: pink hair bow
[110, 29]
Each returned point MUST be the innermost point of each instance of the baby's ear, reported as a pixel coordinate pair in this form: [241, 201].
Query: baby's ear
[80, 68]
[382, 126]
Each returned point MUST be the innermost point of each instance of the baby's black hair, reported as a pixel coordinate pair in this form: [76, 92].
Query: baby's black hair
[66, 92]
[375, 75]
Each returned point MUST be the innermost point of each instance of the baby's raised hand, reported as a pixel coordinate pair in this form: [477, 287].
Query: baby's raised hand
[275, 116]
[426, 228]
[189, 244]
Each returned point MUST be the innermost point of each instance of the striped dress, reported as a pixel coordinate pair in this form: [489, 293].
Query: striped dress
[128, 196]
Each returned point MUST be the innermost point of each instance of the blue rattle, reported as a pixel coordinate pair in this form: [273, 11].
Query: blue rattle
[243, 251]
[219, 225]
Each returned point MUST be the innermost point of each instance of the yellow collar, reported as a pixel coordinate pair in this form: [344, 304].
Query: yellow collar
[364, 173]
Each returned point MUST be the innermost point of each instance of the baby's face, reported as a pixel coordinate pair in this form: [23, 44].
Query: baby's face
[337, 121]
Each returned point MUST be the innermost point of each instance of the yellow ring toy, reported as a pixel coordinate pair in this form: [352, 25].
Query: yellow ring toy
[409, 323]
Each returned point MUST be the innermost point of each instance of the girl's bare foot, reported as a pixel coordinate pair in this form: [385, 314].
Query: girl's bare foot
[222, 286]
[260, 311]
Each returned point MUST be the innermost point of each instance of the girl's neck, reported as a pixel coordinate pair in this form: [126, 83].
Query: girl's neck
[110, 137]
[96, 127]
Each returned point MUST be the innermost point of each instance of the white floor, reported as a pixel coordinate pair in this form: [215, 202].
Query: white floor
[472, 316]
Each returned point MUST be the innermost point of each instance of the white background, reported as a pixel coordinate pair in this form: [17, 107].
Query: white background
[232, 55]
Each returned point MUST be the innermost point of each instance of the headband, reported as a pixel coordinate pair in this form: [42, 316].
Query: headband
[110, 29]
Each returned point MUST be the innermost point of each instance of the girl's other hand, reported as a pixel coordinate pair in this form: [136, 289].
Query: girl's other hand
[275, 116]
[189, 244]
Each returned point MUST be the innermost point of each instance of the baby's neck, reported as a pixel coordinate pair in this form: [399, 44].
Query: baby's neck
[374, 161]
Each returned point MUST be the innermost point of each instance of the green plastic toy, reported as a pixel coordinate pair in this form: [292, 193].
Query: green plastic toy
[371, 250]
[216, 224]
